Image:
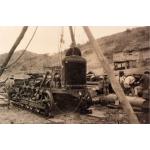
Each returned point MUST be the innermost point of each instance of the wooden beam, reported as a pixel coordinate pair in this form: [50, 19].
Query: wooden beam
[115, 83]
[12, 50]
[72, 37]
[112, 98]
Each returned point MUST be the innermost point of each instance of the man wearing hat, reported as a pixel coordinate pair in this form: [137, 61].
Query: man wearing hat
[9, 87]
[129, 84]
[145, 82]
[121, 78]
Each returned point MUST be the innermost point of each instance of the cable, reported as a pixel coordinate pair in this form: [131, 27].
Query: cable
[24, 49]
[74, 32]
[61, 42]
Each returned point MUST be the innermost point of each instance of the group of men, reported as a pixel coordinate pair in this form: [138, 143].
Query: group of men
[126, 82]
[134, 84]
[53, 80]
[131, 84]
[138, 86]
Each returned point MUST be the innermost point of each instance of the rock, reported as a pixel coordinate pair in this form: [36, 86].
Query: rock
[3, 102]
[97, 113]
[56, 121]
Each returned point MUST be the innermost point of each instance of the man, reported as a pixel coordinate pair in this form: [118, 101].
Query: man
[145, 80]
[137, 86]
[89, 74]
[9, 87]
[121, 78]
[57, 80]
[145, 83]
[129, 84]
[106, 83]
[48, 79]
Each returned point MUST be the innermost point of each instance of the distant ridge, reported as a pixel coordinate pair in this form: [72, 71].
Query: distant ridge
[131, 39]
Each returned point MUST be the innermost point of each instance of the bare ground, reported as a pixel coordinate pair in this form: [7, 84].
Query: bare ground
[101, 115]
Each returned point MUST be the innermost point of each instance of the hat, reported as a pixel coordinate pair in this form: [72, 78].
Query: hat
[12, 77]
[121, 73]
[146, 72]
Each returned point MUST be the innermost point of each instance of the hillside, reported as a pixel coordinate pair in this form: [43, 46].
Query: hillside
[133, 39]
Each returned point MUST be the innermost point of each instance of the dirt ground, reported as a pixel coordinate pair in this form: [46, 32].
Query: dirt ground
[16, 115]
[100, 115]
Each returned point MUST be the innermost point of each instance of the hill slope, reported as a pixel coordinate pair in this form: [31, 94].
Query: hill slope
[133, 39]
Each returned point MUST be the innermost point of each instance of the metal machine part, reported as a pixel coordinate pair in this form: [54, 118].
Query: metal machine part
[66, 91]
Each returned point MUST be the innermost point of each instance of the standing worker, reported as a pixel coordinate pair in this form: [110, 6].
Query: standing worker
[9, 88]
[106, 83]
[57, 80]
[121, 78]
[145, 83]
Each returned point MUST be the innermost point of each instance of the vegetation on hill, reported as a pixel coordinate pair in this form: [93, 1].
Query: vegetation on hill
[131, 39]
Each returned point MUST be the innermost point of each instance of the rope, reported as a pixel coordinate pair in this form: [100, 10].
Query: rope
[74, 32]
[24, 49]
[61, 42]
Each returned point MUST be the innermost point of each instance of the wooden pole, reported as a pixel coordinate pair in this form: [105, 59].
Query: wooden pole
[72, 37]
[12, 50]
[115, 83]
[134, 101]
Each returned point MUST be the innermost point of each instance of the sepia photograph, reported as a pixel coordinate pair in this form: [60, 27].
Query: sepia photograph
[74, 74]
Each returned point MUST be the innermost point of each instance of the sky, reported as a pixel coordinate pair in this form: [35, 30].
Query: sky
[47, 39]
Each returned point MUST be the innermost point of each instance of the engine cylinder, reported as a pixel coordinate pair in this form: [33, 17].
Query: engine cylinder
[74, 69]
